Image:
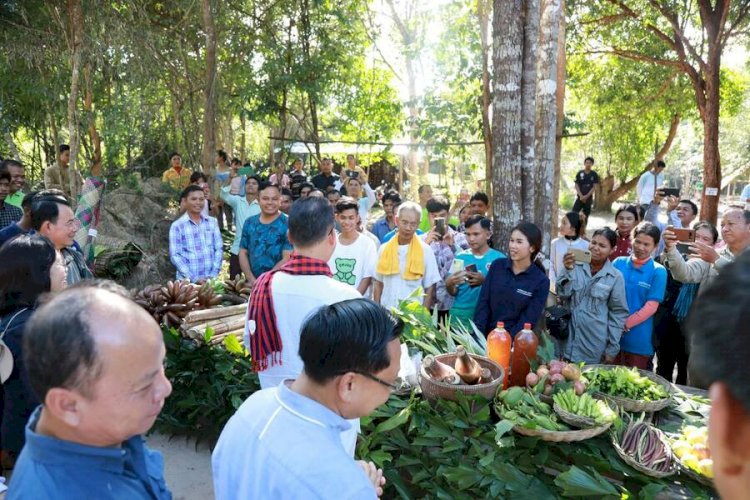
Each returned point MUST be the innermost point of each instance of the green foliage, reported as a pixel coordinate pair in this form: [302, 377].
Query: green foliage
[209, 383]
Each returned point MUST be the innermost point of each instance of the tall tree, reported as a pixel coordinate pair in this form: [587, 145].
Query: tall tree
[689, 37]
[75, 43]
[209, 86]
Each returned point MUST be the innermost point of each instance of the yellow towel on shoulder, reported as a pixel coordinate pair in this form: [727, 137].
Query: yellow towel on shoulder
[388, 263]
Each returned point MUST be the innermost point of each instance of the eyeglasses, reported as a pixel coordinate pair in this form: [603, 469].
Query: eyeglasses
[404, 223]
[392, 387]
[74, 224]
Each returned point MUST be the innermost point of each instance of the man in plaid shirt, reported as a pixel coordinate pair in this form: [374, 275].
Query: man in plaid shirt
[8, 213]
[195, 244]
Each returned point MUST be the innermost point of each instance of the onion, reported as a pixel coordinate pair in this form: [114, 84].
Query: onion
[532, 379]
[542, 371]
[557, 377]
[571, 372]
[555, 369]
[579, 387]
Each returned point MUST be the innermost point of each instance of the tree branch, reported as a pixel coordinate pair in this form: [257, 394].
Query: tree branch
[681, 42]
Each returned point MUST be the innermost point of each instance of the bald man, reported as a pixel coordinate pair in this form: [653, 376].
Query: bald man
[95, 360]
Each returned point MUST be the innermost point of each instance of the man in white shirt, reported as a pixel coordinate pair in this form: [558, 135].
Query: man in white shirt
[406, 262]
[649, 183]
[353, 260]
[745, 197]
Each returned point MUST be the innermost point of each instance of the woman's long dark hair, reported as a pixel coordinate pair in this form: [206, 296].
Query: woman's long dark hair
[25, 264]
[534, 235]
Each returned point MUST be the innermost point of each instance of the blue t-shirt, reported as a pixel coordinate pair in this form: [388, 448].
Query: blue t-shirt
[641, 285]
[10, 232]
[265, 243]
[466, 299]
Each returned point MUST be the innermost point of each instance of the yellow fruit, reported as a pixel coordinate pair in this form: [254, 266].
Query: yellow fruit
[690, 461]
[680, 447]
[700, 451]
[706, 467]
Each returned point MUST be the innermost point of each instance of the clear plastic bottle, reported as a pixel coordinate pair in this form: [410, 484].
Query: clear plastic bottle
[524, 351]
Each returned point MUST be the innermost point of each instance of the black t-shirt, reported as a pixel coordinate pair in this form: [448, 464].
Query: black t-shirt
[586, 181]
[322, 182]
[296, 179]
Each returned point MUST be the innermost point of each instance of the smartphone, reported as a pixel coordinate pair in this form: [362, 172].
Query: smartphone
[670, 192]
[683, 248]
[457, 267]
[581, 255]
[352, 174]
[684, 235]
[471, 268]
[440, 226]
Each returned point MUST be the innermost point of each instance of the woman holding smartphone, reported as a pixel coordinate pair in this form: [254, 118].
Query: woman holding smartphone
[645, 284]
[515, 289]
[596, 295]
[572, 230]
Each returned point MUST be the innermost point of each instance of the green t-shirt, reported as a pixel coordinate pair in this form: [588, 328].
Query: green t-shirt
[467, 296]
[424, 223]
[15, 199]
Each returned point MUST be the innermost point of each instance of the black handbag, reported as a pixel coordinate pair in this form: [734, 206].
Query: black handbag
[557, 319]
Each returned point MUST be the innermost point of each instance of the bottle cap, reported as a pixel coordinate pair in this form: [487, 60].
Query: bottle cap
[527, 326]
[500, 324]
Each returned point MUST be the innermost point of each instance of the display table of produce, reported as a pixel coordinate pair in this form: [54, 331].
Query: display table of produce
[562, 435]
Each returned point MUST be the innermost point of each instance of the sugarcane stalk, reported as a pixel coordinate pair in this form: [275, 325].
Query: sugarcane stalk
[203, 315]
[218, 326]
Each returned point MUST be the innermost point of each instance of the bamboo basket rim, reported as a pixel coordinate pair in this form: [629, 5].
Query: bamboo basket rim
[634, 405]
[435, 389]
[642, 468]
[695, 476]
[563, 436]
[573, 419]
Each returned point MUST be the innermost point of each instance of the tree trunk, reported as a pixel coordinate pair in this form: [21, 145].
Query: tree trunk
[243, 137]
[94, 138]
[546, 119]
[209, 110]
[711, 157]
[531, 19]
[560, 100]
[484, 10]
[75, 16]
[12, 146]
[506, 117]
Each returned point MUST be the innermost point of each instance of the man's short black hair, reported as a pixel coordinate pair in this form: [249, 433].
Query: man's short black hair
[287, 192]
[265, 185]
[589, 158]
[10, 162]
[348, 336]
[437, 204]
[648, 229]
[5, 176]
[28, 199]
[59, 349]
[717, 331]
[661, 164]
[196, 176]
[483, 221]
[191, 188]
[46, 208]
[346, 203]
[63, 148]
[693, 206]
[480, 196]
[310, 221]
[392, 196]
[222, 154]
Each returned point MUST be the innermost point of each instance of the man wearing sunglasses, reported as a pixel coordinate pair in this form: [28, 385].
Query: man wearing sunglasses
[285, 442]
[53, 218]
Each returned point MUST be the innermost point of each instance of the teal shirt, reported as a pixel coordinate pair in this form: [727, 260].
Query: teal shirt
[242, 211]
[466, 298]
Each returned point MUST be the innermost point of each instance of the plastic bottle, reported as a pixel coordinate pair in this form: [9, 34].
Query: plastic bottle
[498, 349]
[524, 351]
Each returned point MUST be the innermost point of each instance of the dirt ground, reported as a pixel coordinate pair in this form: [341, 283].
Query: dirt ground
[187, 468]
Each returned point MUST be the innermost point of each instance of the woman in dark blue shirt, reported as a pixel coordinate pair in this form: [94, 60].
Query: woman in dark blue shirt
[515, 289]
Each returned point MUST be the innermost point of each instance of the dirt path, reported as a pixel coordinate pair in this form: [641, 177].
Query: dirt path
[187, 469]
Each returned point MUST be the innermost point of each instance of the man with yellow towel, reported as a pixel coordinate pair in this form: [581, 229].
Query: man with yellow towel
[405, 263]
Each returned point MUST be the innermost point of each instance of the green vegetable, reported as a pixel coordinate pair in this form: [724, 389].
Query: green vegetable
[626, 383]
[584, 406]
[526, 410]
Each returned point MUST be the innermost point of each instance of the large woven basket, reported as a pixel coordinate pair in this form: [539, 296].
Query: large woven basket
[434, 390]
[573, 419]
[635, 405]
[562, 436]
[641, 468]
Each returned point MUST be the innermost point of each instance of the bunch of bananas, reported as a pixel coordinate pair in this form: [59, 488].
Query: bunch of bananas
[170, 303]
[237, 287]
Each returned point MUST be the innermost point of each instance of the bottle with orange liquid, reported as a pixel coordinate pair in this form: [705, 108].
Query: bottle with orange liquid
[498, 349]
[524, 351]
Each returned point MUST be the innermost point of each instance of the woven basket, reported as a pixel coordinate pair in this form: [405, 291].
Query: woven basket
[573, 419]
[635, 405]
[645, 470]
[562, 436]
[434, 390]
[695, 476]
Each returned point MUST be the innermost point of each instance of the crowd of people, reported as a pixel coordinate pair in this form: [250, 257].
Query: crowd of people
[86, 378]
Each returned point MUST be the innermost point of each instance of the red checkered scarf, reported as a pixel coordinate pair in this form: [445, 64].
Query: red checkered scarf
[265, 340]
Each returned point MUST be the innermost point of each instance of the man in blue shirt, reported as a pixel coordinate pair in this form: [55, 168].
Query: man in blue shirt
[95, 359]
[285, 442]
[391, 200]
[23, 226]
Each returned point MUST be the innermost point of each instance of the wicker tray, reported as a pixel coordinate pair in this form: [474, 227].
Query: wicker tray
[695, 476]
[635, 405]
[573, 419]
[645, 470]
[562, 436]
[434, 390]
